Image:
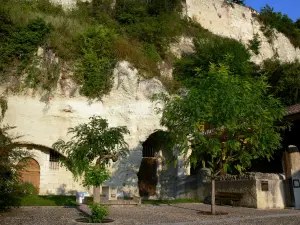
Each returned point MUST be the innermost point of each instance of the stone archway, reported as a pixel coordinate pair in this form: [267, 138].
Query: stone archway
[30, 172]
[151, 165]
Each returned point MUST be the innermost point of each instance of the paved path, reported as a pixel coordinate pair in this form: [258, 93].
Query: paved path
[180, 214]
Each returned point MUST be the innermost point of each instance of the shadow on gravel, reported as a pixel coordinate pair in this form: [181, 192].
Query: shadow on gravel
[182, 207]
[209, 213]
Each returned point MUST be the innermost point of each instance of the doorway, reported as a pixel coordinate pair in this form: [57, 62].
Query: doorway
[30, 172]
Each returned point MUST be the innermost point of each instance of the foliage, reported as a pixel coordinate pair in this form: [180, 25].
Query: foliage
[297, 23]
[254, 44]
[239, 2]
[98, 213]
[284, 79]
[10, 184]
[94, 70]
[228, 119]
[92, 142]
[213, 49]
[29, 189]
[280, 22]
[42, 72]
[95, 176]
[19, 42]
[48, 200]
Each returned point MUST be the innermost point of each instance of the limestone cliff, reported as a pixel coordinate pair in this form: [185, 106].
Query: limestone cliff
[43, 118]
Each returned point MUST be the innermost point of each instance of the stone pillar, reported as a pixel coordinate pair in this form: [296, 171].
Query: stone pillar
[294, 161]
[159, 157]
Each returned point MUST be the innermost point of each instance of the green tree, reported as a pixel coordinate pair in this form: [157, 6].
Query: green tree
[92, 145]
[297, 23]
[284, 78]
[11, 187]
[228, 119]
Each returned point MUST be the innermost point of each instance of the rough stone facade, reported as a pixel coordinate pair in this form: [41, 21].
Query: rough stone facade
[43, 118]
[54, 179]
[239, 22]
[128, 104]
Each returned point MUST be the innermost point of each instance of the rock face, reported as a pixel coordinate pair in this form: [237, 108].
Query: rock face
[239, 22]
[43, 118]
[43, 122]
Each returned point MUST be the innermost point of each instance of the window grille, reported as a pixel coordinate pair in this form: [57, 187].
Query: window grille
[54, 160]
[148, 151]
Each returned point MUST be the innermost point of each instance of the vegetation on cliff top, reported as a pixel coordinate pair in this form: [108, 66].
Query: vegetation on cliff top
[280, 22]
[92, 37]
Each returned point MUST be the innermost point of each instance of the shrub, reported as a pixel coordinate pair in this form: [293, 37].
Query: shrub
[29, 189]
[19, 42]
[94, 69]
[215, 50]
[98, 213]
[10, 184]
[135, 54]
[254, 44]
[239, 2]
[284, 79]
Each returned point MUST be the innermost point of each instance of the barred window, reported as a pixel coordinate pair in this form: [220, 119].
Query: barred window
[54, 160]
[148, 151]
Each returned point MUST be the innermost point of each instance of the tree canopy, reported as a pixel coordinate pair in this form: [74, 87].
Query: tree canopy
[92, 145]
[284, 78]
[228, 117]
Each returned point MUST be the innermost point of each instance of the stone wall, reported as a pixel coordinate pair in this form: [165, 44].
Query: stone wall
[42, 119]
[59, 181]
[249, 184]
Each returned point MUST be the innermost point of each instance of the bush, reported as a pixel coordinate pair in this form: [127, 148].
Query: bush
[214, 49]
[280, 22]
[98, 213]
[10, 184]
[284, 79]
[94, 69]
[19, 42]
[254, 44]
[29, 189]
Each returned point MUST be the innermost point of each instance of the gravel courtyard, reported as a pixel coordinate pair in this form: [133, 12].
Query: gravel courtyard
[179, 214]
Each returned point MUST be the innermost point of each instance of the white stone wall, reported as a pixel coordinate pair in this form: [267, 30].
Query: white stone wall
[238, 23]
[128, 104]
[272, 199]
[55, 182]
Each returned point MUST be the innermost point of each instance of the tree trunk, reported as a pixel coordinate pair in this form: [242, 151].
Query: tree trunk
[213, 204]
[96, 194]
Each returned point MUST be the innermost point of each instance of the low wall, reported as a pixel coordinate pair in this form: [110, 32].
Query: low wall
[261, 190]
[246, 187]
[270, 191]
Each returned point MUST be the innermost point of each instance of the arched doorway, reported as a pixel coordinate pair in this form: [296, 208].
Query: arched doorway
[148, 172]
[30, 172]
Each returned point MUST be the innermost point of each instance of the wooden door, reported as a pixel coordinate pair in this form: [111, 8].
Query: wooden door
[30, 172]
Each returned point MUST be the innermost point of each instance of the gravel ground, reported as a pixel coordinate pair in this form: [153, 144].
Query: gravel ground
[179, 214]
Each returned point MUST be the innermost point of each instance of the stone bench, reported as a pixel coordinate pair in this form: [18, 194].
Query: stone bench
[229, 196]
